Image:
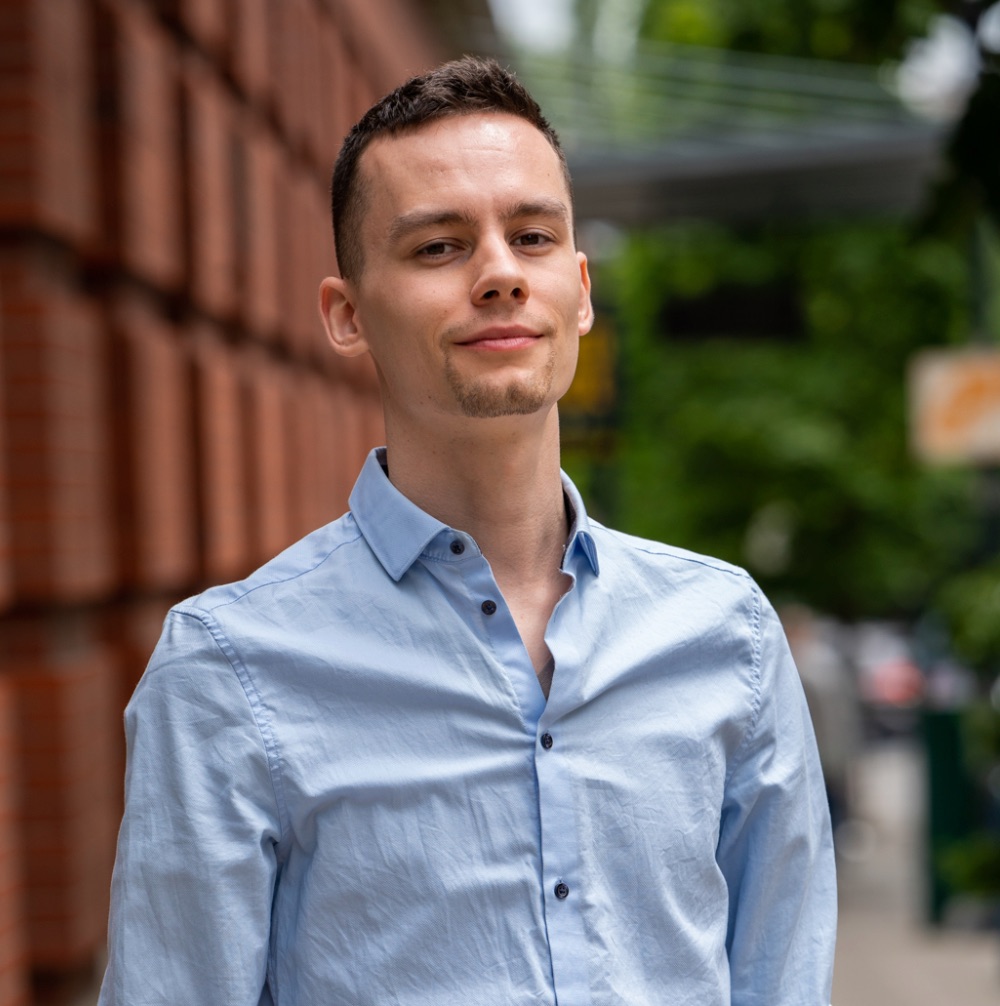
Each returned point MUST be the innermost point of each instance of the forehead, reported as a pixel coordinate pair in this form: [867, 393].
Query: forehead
[482, 157]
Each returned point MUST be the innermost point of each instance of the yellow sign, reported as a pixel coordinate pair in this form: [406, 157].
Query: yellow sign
[592, 392]
[955, 405]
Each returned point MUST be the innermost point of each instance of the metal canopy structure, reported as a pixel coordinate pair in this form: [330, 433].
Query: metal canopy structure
[683, 132]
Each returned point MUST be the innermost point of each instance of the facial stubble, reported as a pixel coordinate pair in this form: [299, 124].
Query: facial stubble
[486, 399]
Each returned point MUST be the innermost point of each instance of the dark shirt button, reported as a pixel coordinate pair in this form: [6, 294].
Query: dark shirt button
[489, 607]
[562, 891]
[457, 547]
[546, 741]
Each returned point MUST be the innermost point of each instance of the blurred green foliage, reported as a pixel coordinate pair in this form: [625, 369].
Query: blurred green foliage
[791, 457]
[970, 602]
[972, 864]
[830, 29]
[852, 30]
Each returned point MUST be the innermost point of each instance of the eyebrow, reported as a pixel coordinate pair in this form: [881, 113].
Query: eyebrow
[408, 223]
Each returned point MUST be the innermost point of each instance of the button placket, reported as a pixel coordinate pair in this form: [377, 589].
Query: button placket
[561, 858]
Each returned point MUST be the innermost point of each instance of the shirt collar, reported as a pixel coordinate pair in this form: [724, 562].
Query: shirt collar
[399, 532]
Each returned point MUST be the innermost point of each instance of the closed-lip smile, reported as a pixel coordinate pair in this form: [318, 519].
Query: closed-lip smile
[501, 337]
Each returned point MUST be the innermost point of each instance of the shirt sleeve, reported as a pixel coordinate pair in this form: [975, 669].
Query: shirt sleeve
[196, 862]
[775, 847]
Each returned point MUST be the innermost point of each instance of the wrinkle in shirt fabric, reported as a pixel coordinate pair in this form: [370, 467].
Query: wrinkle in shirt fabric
[337, 792]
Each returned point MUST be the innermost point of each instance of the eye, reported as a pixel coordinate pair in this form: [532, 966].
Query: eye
[437, 249]
[532, 239]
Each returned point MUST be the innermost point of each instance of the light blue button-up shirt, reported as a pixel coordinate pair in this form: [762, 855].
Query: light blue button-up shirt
[346, 788]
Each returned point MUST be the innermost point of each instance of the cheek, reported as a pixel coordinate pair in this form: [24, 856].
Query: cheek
[574, 299]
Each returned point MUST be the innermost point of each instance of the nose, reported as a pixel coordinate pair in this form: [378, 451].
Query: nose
[500, 276]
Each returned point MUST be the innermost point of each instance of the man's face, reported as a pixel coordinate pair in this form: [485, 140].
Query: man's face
[473, 297]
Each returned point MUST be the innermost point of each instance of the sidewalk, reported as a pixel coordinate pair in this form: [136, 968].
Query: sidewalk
[886, 955]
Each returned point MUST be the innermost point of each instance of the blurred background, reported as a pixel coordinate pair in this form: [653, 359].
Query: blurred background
[792, 210]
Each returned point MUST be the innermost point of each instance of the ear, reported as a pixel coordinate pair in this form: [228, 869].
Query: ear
[586, 310]
[339, 313]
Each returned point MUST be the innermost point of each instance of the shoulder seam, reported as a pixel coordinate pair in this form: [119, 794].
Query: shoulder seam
[274, 582]
[719, 567]
[755, 674]
[640, 544]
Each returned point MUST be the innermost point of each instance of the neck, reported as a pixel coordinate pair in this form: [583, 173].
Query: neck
[498, 480]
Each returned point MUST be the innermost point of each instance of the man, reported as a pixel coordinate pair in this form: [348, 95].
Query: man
[465, 745]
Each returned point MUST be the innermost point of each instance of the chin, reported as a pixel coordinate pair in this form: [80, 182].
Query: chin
[485, 401]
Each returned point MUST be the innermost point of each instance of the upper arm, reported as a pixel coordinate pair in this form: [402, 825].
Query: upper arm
[775, 847]
[196, 863]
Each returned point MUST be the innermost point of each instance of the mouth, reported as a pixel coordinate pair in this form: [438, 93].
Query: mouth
[499, 338]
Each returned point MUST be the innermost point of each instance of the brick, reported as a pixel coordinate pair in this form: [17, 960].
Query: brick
[389, 54]
[295, 82]
[140, 144]
[206, 21]
[302, 449]
[355, 413]
[350, 419]
[285, 244]
[57, 432]
[341, 421]
[284, 56]
[157, 543]
[330, 434]
[301, 265]
[47, 159]
[323, 258]
[260, 247]
[276, 13]
[269, 464]
[209, 189]
[310, 260]
[250, 51]
[332, 106]
[6, 559]
[356, 90]
[13, 944]
[222, 468]
[66, 699]
[311, 97]
[322, 417]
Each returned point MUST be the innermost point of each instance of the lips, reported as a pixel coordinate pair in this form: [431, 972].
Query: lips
[501, 337]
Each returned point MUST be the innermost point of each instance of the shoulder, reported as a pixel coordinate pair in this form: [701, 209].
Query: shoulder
[321, 555]
[630, 555]
[257, 621]
[703, 598]
[287, 598]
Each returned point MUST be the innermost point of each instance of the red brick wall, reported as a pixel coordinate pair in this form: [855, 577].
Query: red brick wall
[56, 429]
[13, 935]
[64, 682]
[47, 172]
[170, 414]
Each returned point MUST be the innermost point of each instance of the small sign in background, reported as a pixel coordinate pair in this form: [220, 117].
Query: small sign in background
[955, 405]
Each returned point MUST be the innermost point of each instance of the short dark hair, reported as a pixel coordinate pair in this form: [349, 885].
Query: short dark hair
[461, 87]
